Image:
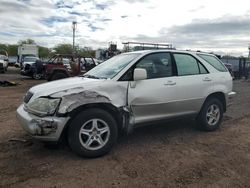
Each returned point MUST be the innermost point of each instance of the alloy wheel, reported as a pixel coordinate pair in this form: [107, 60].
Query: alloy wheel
[94, 134]
[213, 114]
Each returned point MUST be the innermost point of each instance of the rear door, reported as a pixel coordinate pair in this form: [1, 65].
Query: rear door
[193, 83]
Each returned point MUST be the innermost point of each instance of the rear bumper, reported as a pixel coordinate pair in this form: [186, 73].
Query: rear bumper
[41, 128]
[230, 97]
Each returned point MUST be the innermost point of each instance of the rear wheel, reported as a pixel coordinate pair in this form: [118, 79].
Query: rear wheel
[211, 115]
[92, 133]
[58, 75]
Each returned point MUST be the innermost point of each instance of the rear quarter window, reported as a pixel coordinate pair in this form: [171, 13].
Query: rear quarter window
[214, 62]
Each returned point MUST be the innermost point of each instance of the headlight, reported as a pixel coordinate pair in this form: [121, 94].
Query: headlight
[43, 106]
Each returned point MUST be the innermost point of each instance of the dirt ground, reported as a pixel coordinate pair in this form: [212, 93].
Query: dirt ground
[167, 155]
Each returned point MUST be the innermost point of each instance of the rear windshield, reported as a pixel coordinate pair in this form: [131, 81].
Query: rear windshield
[212, 60]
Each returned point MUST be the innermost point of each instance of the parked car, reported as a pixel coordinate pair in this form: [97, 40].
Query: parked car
[66, 65]
[31, 67]
[89, 63]
[12, 60]
[124, 92]
[3, 63]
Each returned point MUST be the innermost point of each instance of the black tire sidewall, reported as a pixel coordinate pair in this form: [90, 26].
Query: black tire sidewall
[58, 76]
[202, 121]
[37, 78]
[79, 120]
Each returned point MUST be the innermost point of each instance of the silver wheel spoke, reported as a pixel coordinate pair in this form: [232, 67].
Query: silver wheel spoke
[94, 123]
[100, 140]
[212, 108]
[89, 141]
[103, 130]
[209, 115]
[210, 120]
[85, 132]
[216, 111]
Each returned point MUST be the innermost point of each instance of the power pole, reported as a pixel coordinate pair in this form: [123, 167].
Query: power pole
[249, 51]
[74, 31]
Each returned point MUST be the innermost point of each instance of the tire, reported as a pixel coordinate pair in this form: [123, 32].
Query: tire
[58, 75]
[92, 133]
[211, 115]
[37, 76]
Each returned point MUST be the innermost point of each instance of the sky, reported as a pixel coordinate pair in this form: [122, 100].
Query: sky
[221, 26]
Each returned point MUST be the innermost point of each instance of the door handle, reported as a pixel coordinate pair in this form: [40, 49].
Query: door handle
[207, 79]
[170, 83]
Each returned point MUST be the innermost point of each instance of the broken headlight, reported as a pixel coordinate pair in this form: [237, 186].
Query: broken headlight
[43, 106]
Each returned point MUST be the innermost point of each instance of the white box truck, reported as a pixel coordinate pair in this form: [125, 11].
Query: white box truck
[25, 50]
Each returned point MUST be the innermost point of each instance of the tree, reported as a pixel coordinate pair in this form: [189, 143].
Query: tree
[64, 49]
[3, 47]
[43, 51]
[12, 50]
[27, 41]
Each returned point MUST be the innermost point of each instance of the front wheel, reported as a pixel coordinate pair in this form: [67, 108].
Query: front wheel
[92, 133]
[37, 76]
[211, 114]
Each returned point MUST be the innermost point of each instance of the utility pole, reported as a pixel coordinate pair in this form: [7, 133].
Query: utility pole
[74, 31]
[249, 51]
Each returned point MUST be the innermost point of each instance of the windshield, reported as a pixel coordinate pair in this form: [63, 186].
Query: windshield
[65, 61]
[111, 67]
[30, 59]
[2, 57]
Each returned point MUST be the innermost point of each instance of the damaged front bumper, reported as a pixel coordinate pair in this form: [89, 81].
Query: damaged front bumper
[42, 128]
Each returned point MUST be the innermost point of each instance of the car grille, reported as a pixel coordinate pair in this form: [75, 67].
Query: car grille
[1, 65]
[27, 97]
[27, 67]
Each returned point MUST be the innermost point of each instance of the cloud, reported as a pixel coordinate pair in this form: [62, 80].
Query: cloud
[124, 16]
[223, 26]
[136, 1]
[199, 8]
[93, 27]
[51, 20]
[225, 33]
[101, 6]
[207, 24]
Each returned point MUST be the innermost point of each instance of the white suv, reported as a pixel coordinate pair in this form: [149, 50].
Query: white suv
[3, 63]
[125, 91]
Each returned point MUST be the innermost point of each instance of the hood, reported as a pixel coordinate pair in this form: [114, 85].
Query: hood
[77, 91]
[50, 88]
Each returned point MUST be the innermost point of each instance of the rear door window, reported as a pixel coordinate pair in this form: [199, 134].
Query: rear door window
[188, 65]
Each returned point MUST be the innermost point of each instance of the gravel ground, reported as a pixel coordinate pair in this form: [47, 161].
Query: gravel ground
[165, 155]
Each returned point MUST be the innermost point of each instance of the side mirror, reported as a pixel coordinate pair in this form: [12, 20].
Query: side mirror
[140, 74]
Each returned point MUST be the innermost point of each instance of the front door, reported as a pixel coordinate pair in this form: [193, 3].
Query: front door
[151, 99]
